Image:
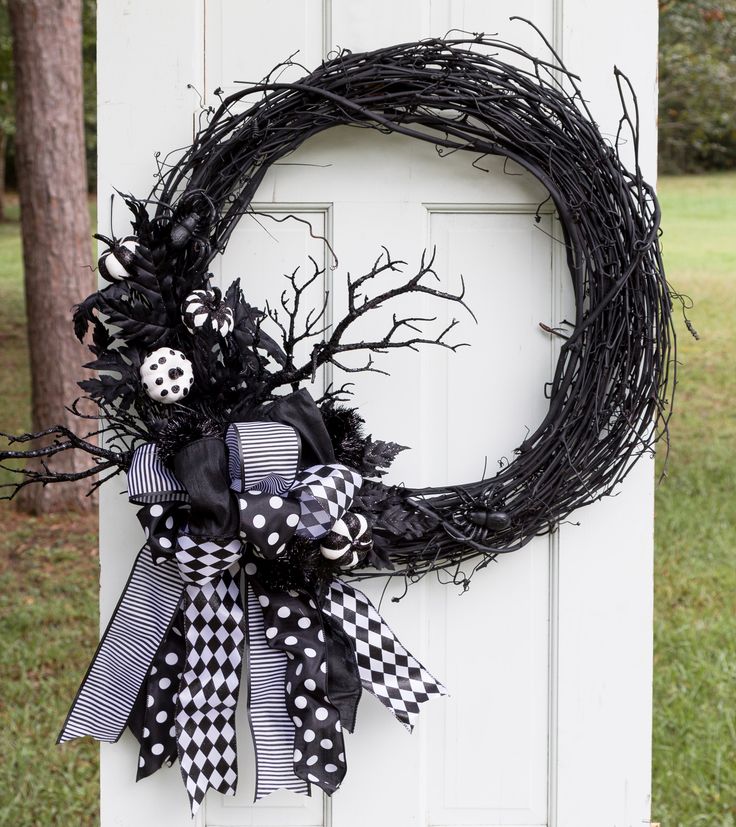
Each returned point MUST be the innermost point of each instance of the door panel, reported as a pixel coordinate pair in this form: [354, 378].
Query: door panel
[368, 190]
[547, 656]
[245, 40]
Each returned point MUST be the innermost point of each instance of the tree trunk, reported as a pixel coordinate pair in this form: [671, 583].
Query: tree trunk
[52, 184]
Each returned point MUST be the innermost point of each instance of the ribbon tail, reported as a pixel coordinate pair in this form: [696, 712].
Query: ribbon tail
[271, 727]
[153, 718]
[294, 627]
[123, 658]
[386, 668]
[208, 694]
[343, 680]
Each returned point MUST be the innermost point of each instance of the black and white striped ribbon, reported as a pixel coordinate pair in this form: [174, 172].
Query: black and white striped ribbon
[270, 724]
[263, 455]
[150, 481]
[122, 661]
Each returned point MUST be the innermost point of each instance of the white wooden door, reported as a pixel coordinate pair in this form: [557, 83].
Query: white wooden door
[548, 656]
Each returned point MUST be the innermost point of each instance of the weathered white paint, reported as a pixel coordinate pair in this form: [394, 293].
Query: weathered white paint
[548, 656]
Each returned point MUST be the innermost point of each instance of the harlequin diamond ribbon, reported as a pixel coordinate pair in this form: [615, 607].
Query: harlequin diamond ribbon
[208, 693]
[169, 663]
[386, 668]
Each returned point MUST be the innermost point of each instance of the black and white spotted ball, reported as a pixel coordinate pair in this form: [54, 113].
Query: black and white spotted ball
[114, 264]
[348, 542]
[203, 309]
[166, 375]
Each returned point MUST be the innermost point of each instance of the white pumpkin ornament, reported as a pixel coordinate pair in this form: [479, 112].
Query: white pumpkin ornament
[205, 309]
[115, 262]
[348, 542]
[166, 375]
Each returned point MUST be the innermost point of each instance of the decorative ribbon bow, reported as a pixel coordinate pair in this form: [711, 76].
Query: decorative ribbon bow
[169, 662]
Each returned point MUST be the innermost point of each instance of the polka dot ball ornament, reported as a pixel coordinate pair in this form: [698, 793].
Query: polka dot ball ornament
[166, 375]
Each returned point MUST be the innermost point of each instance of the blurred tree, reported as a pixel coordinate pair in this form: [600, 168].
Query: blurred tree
[697, 85]
[89, 73]
[52, 184]
[7, 115]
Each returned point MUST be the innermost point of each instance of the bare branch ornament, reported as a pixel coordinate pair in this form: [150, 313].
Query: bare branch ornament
[254, 496]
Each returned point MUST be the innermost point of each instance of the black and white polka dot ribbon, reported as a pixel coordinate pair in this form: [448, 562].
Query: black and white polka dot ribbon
[293, 626]
[275, 500]
[153, 720]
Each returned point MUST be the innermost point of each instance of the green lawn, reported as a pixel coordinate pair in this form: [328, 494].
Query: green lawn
[48, 616]
[48, 566]
[695, 586]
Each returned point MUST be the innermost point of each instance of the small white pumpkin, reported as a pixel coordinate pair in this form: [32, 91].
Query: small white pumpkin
[114, 262]
[348, 541]
[205, 308]
[166, 375]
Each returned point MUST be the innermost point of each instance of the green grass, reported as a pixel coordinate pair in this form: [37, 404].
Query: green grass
[48, 614]
[695, 574]
[48, 567]
[15, 378]
[48, 617]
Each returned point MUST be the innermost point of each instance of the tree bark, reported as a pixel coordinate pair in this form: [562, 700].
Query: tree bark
[52, 185]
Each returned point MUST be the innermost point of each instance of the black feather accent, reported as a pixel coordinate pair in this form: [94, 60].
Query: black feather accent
[345, 427]
[302, 566]
[181, 429]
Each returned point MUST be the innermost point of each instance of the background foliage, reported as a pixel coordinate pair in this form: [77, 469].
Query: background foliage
[7, 99]
[697, 85]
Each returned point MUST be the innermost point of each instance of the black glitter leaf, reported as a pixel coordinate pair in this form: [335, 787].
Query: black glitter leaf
[378, 456]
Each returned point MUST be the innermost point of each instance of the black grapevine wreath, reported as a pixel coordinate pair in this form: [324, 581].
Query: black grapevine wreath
[254, 496]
